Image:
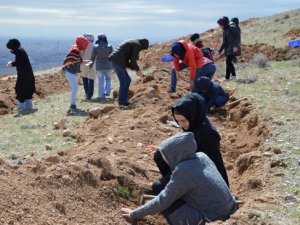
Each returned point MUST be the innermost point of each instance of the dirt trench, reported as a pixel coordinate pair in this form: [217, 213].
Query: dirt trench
[109, 168]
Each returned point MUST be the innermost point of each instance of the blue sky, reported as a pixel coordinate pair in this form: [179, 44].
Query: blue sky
[156, 20]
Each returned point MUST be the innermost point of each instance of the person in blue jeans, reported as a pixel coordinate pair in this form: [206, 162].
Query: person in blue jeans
[185, 56]
[212, 92]
[104, 67]
[126, 56]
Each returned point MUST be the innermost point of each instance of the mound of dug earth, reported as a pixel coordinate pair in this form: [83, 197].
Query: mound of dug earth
[109, 167]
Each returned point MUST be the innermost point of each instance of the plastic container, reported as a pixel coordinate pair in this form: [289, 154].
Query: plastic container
[167, 58]
[294, 43]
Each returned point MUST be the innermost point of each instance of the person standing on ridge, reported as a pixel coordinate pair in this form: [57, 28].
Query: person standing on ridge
[125, 56]
[25, 85]
[71, 66]
[229, 45]
[88, 74]
[100, 54]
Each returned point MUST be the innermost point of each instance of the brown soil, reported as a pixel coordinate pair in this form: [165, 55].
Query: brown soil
[81, 185]
[292, 34]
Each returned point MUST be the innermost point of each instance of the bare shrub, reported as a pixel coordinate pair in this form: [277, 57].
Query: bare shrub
[260, 60]
[286, 16]
[276, 20]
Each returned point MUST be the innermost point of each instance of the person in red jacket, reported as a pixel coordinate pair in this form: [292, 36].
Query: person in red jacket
[186, 55]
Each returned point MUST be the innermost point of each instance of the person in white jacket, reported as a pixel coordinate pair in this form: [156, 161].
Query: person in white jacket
[88, 73]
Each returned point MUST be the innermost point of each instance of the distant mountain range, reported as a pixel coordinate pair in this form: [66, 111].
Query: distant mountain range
[43, 54]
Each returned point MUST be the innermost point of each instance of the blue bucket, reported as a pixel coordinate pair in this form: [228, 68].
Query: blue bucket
[294, 43]
[167, 58]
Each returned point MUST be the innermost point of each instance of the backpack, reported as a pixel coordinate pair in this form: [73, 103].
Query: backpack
[208, 53]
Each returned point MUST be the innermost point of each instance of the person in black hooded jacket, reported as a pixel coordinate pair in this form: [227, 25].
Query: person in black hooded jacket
[125, 56]
[25, 85]
[230, 45]
[190, 113]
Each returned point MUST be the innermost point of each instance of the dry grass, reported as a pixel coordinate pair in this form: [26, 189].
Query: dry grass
[270, 30]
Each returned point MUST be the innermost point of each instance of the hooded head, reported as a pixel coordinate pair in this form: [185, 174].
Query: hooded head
[178, 49]
[102, 37]
[194, 37]
[90, 37]
[205, 84]
[144, 43]
[82, 42]
[192, 107]
[236, 21]
[177, 148]
[224, 21]
[13, 44]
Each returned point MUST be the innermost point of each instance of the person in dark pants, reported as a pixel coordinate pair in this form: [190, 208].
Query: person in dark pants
[196, 192]
[229, 45]
[25, 85]
[125, 56]
[212, 92]
[190, 113]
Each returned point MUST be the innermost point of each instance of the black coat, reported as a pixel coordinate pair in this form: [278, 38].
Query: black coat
[127, 53]
[231, 39]
[192, 107]
[25, 85]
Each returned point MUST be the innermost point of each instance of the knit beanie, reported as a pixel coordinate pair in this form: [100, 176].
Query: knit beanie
[195, 37]
[90, 37]
[178, 49]
[102, 37]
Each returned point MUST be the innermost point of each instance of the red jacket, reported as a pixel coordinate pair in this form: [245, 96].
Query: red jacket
[193, 58]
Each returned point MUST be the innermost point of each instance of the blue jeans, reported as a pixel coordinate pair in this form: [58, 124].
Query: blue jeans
[88, 85]
[182, 66]
[221, 100]
[104, 89]
[124, 80]
[207, 70]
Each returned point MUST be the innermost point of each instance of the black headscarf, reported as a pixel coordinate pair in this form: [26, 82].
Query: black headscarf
[192, 107]
[13, 44]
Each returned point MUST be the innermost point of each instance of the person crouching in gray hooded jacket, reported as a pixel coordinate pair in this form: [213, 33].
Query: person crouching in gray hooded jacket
[196, 192]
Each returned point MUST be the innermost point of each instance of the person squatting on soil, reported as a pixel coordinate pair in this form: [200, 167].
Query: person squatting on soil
[100, 54]
[212, 92]
[88, 74]
[206, 198]
[190, 113]
[25, 85]
[191, 57]
[71, 65]
[230, 45]
[126, 56]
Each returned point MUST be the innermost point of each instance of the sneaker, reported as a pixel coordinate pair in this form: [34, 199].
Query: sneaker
[72, 110]
[233, 77]
[170, 91]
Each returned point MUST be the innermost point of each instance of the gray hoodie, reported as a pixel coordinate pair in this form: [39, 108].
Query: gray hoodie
[100, 53]
[196, 180]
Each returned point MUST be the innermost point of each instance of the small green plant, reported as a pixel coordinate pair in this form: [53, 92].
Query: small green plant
[123, 192]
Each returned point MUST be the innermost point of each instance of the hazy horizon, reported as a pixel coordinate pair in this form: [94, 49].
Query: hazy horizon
[156, 20]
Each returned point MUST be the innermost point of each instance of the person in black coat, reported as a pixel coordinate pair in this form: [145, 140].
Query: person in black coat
[125, 56]
[25, 85]
[230, 45]
[190, 113]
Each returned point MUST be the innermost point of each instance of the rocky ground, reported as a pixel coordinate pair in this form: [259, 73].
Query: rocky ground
[109, 168]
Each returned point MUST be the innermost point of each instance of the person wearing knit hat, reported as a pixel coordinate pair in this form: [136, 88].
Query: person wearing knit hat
[87, 73]
[230, 45]
[196, 192]
[104, 67]
[25, 85]
[71, 66]
[125, 56]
